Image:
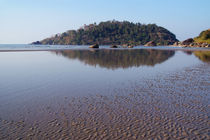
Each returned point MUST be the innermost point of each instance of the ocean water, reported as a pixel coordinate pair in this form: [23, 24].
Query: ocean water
[31, 76]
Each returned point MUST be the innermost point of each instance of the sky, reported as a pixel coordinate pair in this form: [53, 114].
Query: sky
[25, 21]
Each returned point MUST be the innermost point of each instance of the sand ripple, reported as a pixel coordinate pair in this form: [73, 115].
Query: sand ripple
[170, 106]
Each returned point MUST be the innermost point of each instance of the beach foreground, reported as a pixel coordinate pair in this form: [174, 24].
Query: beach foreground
[170, 107]
[167, 105]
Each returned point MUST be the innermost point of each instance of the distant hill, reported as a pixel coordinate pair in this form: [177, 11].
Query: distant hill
[204, 37]
[113, 33]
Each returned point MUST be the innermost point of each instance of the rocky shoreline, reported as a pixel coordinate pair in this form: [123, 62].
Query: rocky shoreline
[186, 43]
[191, 43]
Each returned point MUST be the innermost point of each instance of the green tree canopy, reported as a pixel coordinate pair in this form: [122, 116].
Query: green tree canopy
[113, 33]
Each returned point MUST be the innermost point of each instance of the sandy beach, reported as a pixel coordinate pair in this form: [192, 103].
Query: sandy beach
[171, 106]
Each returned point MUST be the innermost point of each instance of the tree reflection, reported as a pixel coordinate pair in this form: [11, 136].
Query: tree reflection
[203, 55]
[113, 59]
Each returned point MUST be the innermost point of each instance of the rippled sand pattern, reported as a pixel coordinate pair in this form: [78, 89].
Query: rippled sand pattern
[170, 106]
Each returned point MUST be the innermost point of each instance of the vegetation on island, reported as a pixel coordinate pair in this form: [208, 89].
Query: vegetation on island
[113, 33]
[203, 40]
[204, 37]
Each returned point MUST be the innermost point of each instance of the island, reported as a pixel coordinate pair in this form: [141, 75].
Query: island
[123, 33]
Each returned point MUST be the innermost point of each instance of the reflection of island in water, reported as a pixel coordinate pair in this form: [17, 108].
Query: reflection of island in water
[112, 59]
[203, 55]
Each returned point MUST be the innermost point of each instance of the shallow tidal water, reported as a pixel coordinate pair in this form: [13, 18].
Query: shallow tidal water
[104, 93]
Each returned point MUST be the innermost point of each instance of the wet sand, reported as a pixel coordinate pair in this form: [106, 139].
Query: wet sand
[170, 106]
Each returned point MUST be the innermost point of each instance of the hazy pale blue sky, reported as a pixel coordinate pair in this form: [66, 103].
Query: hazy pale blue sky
[25, 21]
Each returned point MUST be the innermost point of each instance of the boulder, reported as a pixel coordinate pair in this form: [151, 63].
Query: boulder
[36, 43]
[204, 44]
[199, 45]
[188, 41]
[114, 46]
[151, 43]
[130, 46]
[192, 45]
[176, 44]
[94, 46]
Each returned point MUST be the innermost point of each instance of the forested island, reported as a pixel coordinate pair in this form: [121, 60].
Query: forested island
[113, 33]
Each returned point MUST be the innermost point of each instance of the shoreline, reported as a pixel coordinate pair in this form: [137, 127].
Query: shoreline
[104, 47]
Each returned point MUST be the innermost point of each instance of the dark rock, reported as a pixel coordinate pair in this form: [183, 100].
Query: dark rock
[192, 44]
[187, 42]
[94, 46]
[151, 43]
[36, 43]
[114, 46]
[176, 44]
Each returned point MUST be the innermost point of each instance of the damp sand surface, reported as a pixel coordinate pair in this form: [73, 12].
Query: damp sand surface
[172, 104]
